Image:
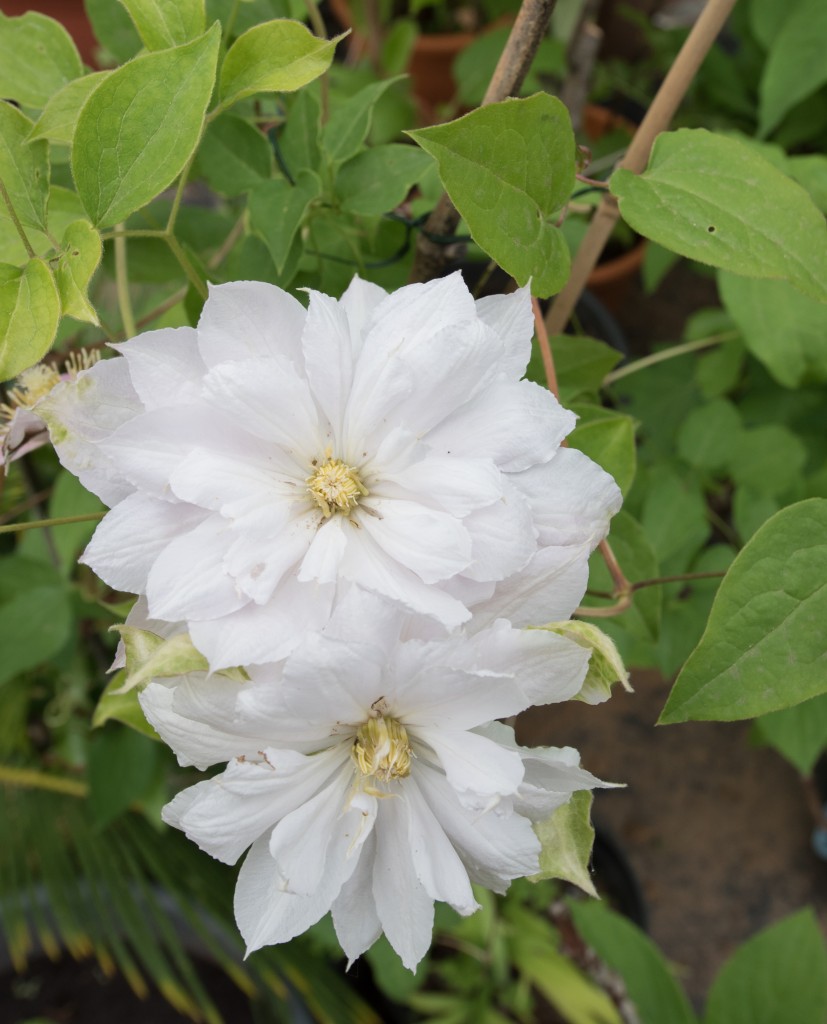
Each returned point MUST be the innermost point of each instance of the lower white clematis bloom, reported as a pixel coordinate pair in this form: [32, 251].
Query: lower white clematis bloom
[257, 463]
[367, 775]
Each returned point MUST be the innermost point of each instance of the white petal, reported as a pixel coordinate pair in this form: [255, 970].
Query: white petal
[503, 536]
[249, 318]
[473, 763]
[328, 356]
[326, 551]
[165, 366]
[360, 300]
[354, 909]
[458, 485]
[188, 579]
[512, 317]
[402, 903]
[130, 537]
[267, 544]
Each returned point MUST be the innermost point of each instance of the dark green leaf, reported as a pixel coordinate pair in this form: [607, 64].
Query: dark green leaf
[34, 626]
[799, 734]
[378, 179]
[123, 767]
[233, 156]
[795, 66]
[277, 210]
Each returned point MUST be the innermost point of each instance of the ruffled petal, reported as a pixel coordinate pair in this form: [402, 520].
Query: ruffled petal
[474, 764]
[512, 318]
[503, 537]
[354, 910]
[165, 366]
[246, 319]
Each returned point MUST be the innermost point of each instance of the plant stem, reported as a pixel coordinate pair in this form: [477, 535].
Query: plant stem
[24, 238]
[657, 119]
[545, 349]
[229, 24]
[40, 523]
[108, 236]
[122, 286]
[29, 778]
[179, 192]
[669, 353]
[192, 274]
[679, 578]
[315, 19]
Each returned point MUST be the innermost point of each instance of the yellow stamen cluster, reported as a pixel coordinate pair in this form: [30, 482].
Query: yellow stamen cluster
[381, 749]
[335, 486]
[36, 382]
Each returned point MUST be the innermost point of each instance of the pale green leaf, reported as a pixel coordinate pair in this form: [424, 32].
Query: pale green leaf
[795, 66]
[37, 57]
[764, 646]
[113, 29]
[608, 438]
[810, 171]
[652, 987]
[715, 200]
[278, 56]
[165, 23]
[34, 626]
[379, 179]
[24, 167]
[277, 210]
[777, 977]
[566, 841]
[115, 705]
[605, 664]
[81, 251]
[508, 168]
[799, 734]
[59, 119]
[786, 330]
[349, 123]
[708, 435]
[29, 315]
[233, 156]
[139, 128]
[149, 656]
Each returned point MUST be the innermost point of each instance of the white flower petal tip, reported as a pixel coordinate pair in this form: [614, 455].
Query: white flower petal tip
[366, 775]
[380, 440]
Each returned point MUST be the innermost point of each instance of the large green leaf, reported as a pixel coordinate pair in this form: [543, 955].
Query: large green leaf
[378, 179]
[508, 168]
[799, 733]
[139, 128]
[652, 987]
[165, 23]
[716, 200]
[277, 210]
[764, 647]
[233, 155]
[59, 119]
[350, 122]
[29, 315]
[24, 168]
[777, 977]
[786, 330]
[608, 438]
[34, 625]
[37, 57]
[278, 56]
[81, 253]
[795, 66]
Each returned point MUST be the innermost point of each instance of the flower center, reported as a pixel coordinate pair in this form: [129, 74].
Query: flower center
[381, 749]
[36, 382]
[335, 486]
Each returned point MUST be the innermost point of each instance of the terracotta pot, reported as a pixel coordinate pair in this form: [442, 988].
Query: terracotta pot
[70, 13]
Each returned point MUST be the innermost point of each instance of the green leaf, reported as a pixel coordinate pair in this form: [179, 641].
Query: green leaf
[581, 365]
[608, 438]
[277, 210]
[79, 259]
[785, 330]
[123, 767]
[764, 645]
[37, 57]
[767, 460]
[795, 66]
[714, 199]
[810, 171]
[233, 156]
[59, 119]
[298, 142]
[709, 434]
[70, 498]
[115, 705]
[656, 994]
[139, 128]
[767, 17]
[113, 29]
[379, 179]
[674, 514]
[566, 841]
[751, 510]
[508, 167]
[799, 734]
[278, 56]
[777, 977]
[165, 23]
[149, 656]
[34, 626]
[605, 664]
[29, 315]
[24, 168]
[349, 123]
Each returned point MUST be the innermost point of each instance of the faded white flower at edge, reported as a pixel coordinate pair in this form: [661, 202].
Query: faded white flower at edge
[367, 775]
[258, 465]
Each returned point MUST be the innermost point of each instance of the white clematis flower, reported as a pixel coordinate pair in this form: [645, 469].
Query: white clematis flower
[260, 464]
[367, 776]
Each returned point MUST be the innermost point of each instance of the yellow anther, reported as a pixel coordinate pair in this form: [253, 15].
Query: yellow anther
[335, 486]
[381, 750]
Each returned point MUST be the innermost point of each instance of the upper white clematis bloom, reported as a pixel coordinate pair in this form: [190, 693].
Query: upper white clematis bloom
[256, 464]
[367, 774]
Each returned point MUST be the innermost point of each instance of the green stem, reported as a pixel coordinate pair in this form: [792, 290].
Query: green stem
[28, 778]
[229, 24]
[192, 274]
[315, 18]
[669, 353]
[179, 192]
[62, 521]
[108, 236]
[683, 577]
[24, 238]
[122, 286]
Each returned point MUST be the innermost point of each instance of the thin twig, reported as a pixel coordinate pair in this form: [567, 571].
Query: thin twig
[545, 348]
[669, 353]
[122, 285]
[41, 523]
[29, 778]
[683, 577]
[24, 238]
[657, 119]
[31, 502]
